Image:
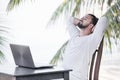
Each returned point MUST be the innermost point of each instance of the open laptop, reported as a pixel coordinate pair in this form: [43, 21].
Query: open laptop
[23, 57]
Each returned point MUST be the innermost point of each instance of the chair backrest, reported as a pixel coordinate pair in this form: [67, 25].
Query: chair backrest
[95, 63]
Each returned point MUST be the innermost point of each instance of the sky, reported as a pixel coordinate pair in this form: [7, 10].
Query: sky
[27, 23]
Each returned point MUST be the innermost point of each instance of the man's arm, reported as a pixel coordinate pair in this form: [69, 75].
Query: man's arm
[71, 24]
[101, 26]
[98, 32]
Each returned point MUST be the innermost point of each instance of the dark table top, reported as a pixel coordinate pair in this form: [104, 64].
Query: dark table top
[21, 71]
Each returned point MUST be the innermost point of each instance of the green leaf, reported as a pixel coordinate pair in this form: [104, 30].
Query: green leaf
[58, 56]
[12, 4]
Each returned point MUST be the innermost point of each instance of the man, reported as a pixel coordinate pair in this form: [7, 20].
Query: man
[82, 44]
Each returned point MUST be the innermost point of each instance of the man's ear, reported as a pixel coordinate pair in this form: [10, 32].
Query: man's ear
[91, 27]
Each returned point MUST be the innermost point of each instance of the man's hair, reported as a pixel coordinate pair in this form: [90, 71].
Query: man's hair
[94, 19]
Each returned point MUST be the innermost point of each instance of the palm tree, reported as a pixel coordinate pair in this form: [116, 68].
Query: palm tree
[74, 7]
[4, 30]
[3, 40]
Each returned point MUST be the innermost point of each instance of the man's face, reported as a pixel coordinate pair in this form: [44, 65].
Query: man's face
[85, 21]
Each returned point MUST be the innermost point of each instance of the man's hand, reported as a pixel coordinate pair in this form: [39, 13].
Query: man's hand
[76, 21]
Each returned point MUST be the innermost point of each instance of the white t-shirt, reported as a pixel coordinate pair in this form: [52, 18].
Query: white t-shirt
[79, 50]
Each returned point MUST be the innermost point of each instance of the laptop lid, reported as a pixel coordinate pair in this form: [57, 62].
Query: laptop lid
[22, 55]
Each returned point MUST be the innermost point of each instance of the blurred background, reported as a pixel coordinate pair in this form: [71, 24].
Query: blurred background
[41, 25]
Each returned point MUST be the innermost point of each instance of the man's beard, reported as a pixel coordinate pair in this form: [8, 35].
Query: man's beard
[81, 26]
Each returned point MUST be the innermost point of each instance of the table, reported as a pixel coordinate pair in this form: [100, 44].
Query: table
[20, 73]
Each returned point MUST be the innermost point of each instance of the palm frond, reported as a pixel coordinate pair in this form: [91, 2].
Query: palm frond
[4, 29]
[1, 56]
[58, 56]
[3, 39]
[76, 10]
[114, 25]
[107, 35]
[109, 2]
[64, 7]
[12, 4]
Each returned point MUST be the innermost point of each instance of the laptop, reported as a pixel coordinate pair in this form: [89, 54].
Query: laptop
[23, 57]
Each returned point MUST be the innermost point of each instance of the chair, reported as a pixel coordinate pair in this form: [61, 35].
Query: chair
[95, 63]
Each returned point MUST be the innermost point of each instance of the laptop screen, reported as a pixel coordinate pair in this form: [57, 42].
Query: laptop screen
[22, 55]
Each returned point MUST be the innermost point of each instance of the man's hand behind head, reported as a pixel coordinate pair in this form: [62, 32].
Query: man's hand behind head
[76, 21]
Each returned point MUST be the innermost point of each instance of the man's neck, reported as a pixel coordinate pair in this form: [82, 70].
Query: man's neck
[84, 32]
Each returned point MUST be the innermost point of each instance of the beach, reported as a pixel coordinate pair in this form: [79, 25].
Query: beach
[110, 67]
